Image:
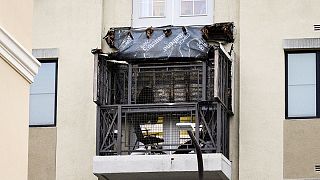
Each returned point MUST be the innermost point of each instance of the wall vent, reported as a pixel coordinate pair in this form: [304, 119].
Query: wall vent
[316, 27]
[317, 168]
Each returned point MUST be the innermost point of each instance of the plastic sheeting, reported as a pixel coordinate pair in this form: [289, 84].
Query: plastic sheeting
[159, 43]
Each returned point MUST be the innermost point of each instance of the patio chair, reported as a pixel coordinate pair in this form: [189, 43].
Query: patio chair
[148, 139]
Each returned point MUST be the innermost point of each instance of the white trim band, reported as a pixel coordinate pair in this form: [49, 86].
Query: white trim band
[303, 43]
[17, 56]
[47, 53]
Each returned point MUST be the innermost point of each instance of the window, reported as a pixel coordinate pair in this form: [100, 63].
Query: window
[193, 7]
[302, 84]
[43, 95]
[152, 8]
[155, 13]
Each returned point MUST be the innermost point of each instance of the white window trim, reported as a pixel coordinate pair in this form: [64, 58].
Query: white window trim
[141, 17]
[172, 16]
[138, 21]
[193, 15]
[17, 56]
[182, 20]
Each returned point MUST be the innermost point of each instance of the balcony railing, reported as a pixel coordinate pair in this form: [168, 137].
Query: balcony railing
[119, 82]
[139, 104]
[151, 128]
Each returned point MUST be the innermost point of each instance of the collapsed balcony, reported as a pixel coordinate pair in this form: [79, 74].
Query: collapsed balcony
[158, 78]
[140, 104]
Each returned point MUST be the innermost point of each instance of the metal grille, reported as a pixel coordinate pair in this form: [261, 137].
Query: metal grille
[151, 129]
[222, 79]
[164, 82]
[316, 27]
[140, 104]
[108, 128]
[118, 84]
[112, 83]
[210, 80]
[167, 84]
[157, 132]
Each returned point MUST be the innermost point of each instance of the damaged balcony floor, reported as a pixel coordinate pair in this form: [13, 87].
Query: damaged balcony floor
[159, 167]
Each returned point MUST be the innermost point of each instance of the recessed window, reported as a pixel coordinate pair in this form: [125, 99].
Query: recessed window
[193, 7]
[302, 84]
[152, 8]
[43, 93]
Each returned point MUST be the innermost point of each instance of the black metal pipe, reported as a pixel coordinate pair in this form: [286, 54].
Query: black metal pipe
[199, 154]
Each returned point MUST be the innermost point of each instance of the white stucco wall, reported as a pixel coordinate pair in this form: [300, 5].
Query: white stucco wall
[264, 24]
[228, 11]
[14, 124]
[16, 18]
[74, 27]
[15, 30]
[115, 14]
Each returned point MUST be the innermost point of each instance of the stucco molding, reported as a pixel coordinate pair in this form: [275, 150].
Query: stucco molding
[303, 43]
[17, 56]
[46, 53]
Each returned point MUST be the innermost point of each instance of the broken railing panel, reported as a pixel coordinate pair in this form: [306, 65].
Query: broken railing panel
[110, 81]
[120, 82]
[219, 32]
[222, 78]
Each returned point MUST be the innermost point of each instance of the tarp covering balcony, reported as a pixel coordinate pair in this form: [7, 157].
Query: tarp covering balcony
[162, 43]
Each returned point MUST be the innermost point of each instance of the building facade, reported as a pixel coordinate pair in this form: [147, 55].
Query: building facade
[17, 70]
[63, 149]
[265, 140]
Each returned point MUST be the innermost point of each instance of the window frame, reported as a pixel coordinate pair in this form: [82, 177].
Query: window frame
[193, 15]
[50, 60]
[138, 21]
[317, 52]
[172, 16]
[146, 17]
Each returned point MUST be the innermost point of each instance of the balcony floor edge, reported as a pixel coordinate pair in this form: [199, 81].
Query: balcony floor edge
[175, 167]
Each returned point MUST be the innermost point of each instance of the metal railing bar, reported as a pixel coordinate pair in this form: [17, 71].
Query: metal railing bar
[205, 124]
[161, 150]
[166, 72]
[111, 126]
[182, 109]
[119, 137]
[113, 143]
[168, 66]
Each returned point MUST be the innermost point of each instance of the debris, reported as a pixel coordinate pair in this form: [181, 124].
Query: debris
[149, 32]
[167, 32]
[219, 32]
[110, 38]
